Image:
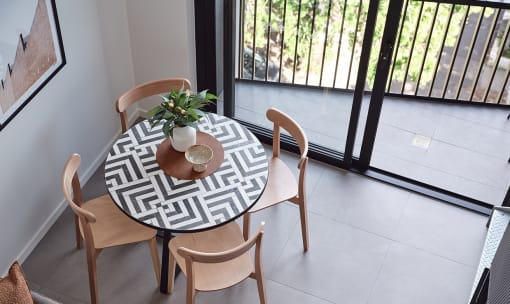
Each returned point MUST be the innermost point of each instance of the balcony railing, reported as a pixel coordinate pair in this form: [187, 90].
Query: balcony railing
[443, 51]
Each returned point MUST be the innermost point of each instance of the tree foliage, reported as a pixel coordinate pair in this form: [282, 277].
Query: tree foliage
[303, 32]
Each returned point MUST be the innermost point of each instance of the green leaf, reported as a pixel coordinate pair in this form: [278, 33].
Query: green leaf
[200, 113]
[192, 113]
[211, 96]
[166, 97]
[153, 111]
[168, 127]
[202, 94]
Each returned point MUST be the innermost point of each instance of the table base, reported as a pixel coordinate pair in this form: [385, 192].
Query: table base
[163, 283]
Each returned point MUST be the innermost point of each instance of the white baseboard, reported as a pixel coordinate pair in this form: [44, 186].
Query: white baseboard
[27, 250]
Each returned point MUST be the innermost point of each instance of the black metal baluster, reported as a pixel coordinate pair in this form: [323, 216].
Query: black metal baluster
[297, 37]
[254, 50]
[443, 41]
[411, 51]
[486, 50]
[311, 40]
[325, 44]
[354, 44]
[395, 54]
[241, 40]
[426, 49]
[339, 43]
[454, 56]
[283, 38]
[495, 67]
[500, 95]
[470, 48]
[268, 34]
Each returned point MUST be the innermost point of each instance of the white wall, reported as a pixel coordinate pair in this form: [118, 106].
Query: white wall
[110, 46]
[73, 113]
[117, 45]
[162, 40]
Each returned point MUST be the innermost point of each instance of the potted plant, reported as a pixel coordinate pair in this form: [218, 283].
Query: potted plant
[179, 112]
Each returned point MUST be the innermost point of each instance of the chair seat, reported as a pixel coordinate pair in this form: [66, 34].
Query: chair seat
[215, 276]
[112, 227]
[281, 185]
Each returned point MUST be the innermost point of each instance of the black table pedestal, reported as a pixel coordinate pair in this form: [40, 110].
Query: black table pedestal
[163, 284]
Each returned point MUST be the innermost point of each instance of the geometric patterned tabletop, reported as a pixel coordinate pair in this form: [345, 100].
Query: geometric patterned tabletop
[145, 193]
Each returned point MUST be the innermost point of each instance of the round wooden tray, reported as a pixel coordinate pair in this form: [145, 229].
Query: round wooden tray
[175, 164]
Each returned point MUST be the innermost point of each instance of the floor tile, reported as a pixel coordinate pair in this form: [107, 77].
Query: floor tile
[398, 142]
[280, 222]
[468, 164]
[491, 194]
[377, 208]
[56, 245]
[490, 117]
[413, 276]
[314, 170]
[359, 201]
[443, 229]
[410, 115]
[243, 293]
[341, 265]
[474, 136]
[327, 198]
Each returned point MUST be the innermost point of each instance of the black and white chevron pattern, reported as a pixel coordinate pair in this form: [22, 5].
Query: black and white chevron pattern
[146, 193]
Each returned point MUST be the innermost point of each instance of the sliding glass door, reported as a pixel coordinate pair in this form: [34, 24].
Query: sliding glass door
[385, 88]
[308, 58]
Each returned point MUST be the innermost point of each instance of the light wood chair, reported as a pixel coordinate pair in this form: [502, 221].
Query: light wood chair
[102, 224]
[216, 259]
[144, 90]
[281, 184]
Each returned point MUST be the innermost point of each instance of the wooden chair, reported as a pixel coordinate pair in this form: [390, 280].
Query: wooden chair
[281, 184]
[102, 224]
[145, 90]
[216, 259]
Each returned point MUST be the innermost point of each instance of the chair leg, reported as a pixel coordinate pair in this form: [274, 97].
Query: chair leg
[261, 288]
[155, 258]
[304, 223]
[171, 272]
[190, 291]
[91, 263]
[246, 226]
[79, 239]
[190, 283]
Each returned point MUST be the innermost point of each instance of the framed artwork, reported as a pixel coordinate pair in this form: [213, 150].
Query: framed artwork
[31, 52]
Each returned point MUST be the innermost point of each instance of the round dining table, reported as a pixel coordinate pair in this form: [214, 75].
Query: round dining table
[148, 194]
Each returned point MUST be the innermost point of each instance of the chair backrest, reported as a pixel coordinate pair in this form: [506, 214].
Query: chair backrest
[282, 120]
[192, 256]
[71, 183]
[145, 90]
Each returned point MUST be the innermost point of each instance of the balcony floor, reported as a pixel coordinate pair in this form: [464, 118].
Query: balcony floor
[464, 149]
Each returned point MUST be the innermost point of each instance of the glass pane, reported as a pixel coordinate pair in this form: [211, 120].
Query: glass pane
[301, 57]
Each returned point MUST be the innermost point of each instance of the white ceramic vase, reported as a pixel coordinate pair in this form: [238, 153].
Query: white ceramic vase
[183, 138]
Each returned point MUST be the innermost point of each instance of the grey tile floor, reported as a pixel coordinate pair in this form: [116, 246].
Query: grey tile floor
[370, 243]
[468, 147]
